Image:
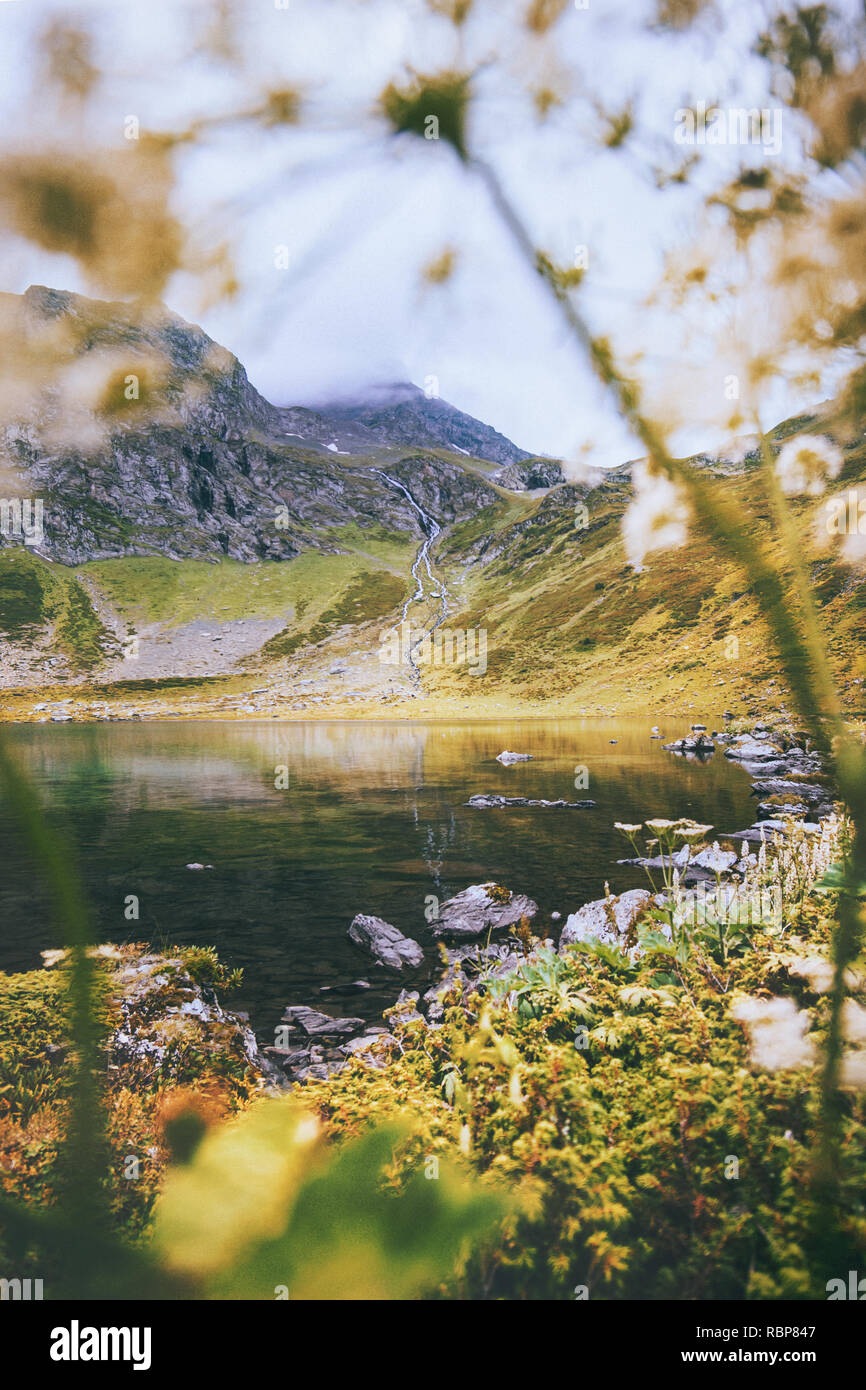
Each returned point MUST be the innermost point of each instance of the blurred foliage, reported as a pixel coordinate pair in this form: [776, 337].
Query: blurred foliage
[108, 211]
[632, 1100]
[264, 1206]
[205, 1190]
[616, 1152]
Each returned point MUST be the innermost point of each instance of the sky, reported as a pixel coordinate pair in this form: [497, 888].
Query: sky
[361, 214]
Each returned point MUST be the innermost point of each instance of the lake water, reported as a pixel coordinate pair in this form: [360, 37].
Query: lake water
[372, 820]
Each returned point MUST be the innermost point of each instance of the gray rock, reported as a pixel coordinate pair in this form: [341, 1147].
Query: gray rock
[529, 474]
[796, 810]
[318, 1025]
[320, 1071]
[383, 1042]
[753, 750]
[699, 746]
[434, 995]
[389, 946]
[405, 1008]
[593, 920]
[810, 792]
[482, 907]
[764, 830]
[774, 769]
[717, 861]
[484, 801]
[289, 1058]
[678, 860]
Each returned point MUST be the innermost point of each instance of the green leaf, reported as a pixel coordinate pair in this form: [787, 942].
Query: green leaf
[265, 1206]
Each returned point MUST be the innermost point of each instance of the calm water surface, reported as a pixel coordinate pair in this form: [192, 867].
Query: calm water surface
[373, 821]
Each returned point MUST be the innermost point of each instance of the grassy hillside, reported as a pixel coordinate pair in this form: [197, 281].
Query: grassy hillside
[173, 592]
[43, 602]
[569, 622]
[568, 619]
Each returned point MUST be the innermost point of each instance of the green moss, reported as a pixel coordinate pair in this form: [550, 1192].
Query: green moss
[191, 1062]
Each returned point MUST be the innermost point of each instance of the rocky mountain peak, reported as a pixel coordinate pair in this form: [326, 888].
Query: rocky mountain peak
[143, 436]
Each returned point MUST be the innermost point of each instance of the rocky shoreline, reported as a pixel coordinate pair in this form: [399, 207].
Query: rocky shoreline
[779, 763]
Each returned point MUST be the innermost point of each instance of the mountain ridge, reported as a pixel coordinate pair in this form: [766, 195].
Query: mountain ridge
[191, 537]
[146, 437]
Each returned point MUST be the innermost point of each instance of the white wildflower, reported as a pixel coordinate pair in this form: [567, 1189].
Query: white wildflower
[777, 1032]
[816, 969]
[842, 519]
[656, 518]
[690, 830]
[805, 464]
[852, 1072]
[854, 1021]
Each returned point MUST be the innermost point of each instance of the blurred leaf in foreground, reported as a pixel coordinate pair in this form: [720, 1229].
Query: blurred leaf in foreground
[265, 1210]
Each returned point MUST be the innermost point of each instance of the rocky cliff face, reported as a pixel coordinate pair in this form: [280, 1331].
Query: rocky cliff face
[529, 474]
[143, 436]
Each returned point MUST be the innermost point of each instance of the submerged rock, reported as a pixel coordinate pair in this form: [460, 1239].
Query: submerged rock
[389, 946]
[480, 908]
[343, 989]
[489, 800]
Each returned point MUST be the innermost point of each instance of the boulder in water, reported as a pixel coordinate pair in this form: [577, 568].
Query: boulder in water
[482, 907]
[389, 946]
[318, 1025]
[609, 920]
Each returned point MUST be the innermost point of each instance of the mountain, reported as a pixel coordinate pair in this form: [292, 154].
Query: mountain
[147, 446]
[147, 438]
[214, 553]
[400, 413]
